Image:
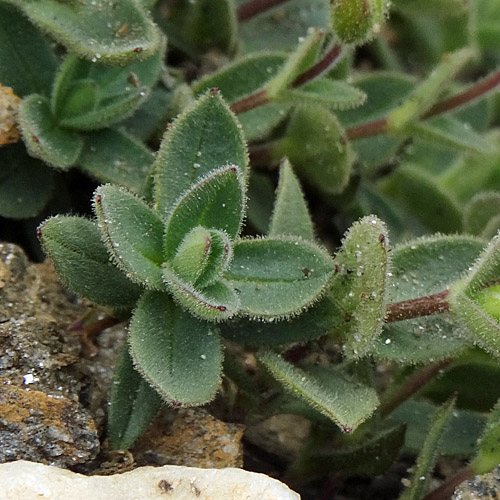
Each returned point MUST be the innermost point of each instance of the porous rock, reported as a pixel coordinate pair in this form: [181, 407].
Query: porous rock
[484, 487]
[41, 417]
[28, 481]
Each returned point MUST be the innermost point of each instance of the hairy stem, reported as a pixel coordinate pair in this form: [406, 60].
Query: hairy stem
[415, 308]
[412, 385]
[260, 97]
[477, 91]
[254, 7]
[445, 491]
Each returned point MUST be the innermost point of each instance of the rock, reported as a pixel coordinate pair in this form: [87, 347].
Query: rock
[193, 438]
[9, 104]
[485, 487]
[41, 416]
[29, 481]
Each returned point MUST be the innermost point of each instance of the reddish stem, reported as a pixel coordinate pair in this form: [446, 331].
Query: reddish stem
[88, 333]
[445, 491]
[413, 384]
[254, 7]
[415, 308]
[367, 129]
[465, 97]
[320, 67]
[250, 102]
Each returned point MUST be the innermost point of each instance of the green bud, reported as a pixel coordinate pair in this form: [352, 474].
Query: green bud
[192, 254]
[489, 301]
[355, 21]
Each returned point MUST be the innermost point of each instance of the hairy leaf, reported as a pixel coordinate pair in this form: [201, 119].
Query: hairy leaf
[423, 267]
[113, 32]
[215, 302]
[214, 202]
[112, 155]
[460, 436]
[320, 319]
[488, 456]
[428, 456]
[133, 234]
[43, 137]
[178, 354]
[334, 94]
[481, 209]
[80, 257]
[291, 215]
[345, 402]
[133, 404]
[27, 62]
[89, 96]
[316, 147]
[26, 184]
[204, 138]
[278, 278]
[360, 283]
[242, 78]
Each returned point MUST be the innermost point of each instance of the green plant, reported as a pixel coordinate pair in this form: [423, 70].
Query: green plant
[372, 341]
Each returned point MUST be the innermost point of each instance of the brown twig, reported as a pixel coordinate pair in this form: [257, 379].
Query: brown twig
[445, 491]
[367, 129]
[254, 7]
[320, 67]
[88, 333]
[250, 102]
[413, 384]
[416, 308]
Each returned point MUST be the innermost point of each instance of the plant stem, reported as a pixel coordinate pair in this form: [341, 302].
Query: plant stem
[260, 97]
[415, 308]
[445, 491]
[250, 102]
[413, 384]
[254, 7]
[320, 67]
[88, 333]
[477, 91]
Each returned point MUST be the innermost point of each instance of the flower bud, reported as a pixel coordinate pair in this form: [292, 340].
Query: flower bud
[355, 21]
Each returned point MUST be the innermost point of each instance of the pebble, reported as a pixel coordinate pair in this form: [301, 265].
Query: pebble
[30, 481]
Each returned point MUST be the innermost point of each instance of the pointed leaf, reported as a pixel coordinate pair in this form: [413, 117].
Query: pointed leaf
[112, 155]
[322, 318]
[26, 184]
[360, 284]
[429, 454]
[345, 402]
[291, 216]
[219, 258]
[215, 202]
[204, 138]
[178, 354]
[473, 300]
[423, 267]
[133, 404]
[75, 247]
[113, 32]
[333, 94]
[89, 96]
[277, 278]
[429, 91]
[450, 133]
[460, 436]
[480, 210]
[280, 27]
[27, 62]
[488, 456]
[421, 194]
[316, 147]
[299, 61]
[216, 302]
[43, 137]
[133, 234]
[244, 77]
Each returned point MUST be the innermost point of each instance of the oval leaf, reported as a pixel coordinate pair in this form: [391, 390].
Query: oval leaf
[133, 233]
[178, 354]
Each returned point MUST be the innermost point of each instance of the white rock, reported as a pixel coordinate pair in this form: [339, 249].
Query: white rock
[23, 480]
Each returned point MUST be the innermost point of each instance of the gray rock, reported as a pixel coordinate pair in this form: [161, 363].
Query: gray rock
[28, 481]
[484, 487]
